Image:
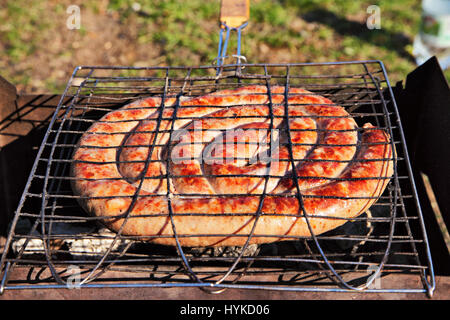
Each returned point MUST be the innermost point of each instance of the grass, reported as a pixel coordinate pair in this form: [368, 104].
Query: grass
[39, 53]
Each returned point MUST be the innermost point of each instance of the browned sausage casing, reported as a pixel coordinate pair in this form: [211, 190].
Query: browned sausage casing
[216, 159]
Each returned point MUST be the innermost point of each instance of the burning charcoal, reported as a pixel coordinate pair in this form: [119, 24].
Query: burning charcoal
[93, 247]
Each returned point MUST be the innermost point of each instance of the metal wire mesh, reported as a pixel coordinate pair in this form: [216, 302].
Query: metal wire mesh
[53, 236]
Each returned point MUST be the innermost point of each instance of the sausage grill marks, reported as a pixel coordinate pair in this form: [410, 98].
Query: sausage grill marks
[216, 157]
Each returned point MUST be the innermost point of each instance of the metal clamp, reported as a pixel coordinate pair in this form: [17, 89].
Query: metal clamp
[223, 44]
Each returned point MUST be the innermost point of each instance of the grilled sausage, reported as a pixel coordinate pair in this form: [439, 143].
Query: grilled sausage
[205, 166]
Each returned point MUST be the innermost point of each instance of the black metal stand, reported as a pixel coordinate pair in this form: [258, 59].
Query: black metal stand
[424, 106]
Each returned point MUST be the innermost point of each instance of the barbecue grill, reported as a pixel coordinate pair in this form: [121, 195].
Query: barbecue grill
[64, 247]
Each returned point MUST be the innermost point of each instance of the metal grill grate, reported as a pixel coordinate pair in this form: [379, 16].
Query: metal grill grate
[51, 234]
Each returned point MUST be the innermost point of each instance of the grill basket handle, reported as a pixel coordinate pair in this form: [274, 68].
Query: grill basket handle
[234, 13]
[234, 16]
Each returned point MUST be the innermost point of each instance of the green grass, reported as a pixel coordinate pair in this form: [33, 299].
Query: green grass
[33, 35]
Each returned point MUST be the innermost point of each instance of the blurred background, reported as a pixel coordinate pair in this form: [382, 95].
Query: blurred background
[39, 51]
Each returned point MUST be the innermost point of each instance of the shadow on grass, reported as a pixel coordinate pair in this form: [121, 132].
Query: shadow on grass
[380, 37]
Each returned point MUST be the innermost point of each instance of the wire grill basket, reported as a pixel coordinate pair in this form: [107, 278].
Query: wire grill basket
[63, 246]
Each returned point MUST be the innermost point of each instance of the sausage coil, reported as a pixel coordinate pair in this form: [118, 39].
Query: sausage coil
[209, 164]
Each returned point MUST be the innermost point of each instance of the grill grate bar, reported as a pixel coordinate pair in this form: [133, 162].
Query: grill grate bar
[355, 115]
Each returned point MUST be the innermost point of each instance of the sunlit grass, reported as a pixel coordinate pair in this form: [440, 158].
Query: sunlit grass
[186, 33]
